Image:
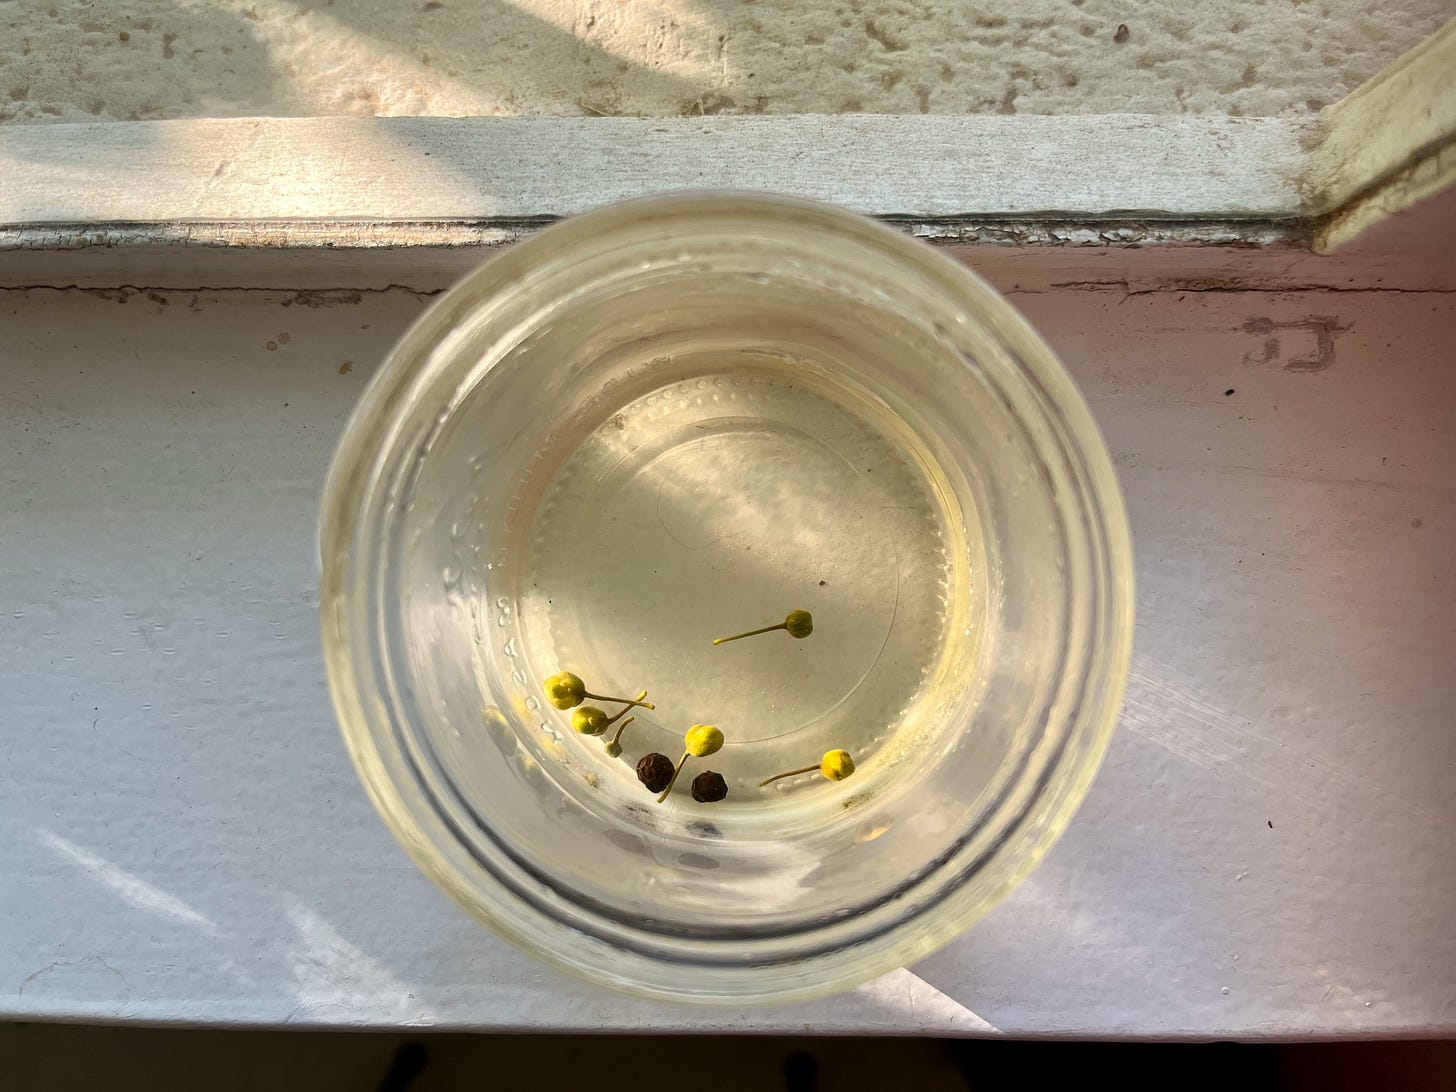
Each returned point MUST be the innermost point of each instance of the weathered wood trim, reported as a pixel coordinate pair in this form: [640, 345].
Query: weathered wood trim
[1422, 181]
[492, 169]
[187, 203]
[1386, 126]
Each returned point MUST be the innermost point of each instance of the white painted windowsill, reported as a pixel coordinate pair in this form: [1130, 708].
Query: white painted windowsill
[1268, 850]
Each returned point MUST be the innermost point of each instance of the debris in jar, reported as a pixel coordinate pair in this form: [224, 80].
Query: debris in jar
[836, 765]
[799, 624]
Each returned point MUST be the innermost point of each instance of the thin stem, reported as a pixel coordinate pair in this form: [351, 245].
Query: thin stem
[621, 728]
[628, 702]
[681, 763]
[751, 633]
[791, 773]
[620, 713]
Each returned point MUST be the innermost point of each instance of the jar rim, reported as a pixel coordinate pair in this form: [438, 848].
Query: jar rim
[352, 500]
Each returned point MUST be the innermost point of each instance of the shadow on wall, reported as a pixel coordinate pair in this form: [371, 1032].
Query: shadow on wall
[72, 60]
[158, 59]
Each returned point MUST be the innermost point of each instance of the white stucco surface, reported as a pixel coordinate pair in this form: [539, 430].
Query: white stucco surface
[70, 60]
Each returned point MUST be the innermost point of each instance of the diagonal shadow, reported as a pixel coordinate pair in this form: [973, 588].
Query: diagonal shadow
[480, 57]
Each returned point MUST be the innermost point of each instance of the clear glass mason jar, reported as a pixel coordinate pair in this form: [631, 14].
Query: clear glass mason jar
[679, 418]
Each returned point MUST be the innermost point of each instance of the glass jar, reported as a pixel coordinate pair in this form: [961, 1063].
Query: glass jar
[680, 418]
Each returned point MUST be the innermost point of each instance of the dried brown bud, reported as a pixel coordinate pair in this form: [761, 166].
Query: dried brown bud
[709, 787]
[655, 771]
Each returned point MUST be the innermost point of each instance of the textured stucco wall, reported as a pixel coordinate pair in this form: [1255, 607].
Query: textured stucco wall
[66, 60]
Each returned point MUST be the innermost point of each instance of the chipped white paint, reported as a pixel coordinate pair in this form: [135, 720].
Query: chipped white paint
[1274, 817]
[359, 259]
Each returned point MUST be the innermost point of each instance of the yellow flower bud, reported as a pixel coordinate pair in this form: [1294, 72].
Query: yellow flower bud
[703, 740]
[589, 720]
[565, 690]
[836, 765]
[614, 745]
[798, 623]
